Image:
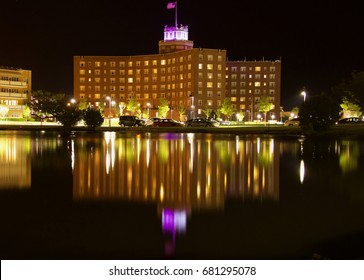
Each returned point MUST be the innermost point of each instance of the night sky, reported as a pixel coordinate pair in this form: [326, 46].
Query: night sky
[319, 42]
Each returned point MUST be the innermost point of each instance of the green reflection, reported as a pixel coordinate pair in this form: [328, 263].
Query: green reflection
[349, 156]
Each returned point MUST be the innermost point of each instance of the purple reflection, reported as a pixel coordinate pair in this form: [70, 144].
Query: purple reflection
[173, 221]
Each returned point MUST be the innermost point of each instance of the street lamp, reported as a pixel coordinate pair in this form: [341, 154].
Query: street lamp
[304, 95]
[148, 109]
[109, 98]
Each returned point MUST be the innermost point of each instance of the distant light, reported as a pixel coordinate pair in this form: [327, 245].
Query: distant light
[304, 95]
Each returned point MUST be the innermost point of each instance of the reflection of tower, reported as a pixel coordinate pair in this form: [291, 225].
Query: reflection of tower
[174, 221]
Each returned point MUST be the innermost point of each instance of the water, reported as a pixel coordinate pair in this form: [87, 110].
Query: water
[115, 195]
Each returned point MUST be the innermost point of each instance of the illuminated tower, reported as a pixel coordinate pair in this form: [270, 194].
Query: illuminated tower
[175, 39]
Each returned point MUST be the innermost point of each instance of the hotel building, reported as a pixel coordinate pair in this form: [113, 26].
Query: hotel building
[248, 81]
[193, 78]
[15, 89]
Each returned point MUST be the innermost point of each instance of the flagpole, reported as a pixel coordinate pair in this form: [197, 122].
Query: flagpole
[175, 15]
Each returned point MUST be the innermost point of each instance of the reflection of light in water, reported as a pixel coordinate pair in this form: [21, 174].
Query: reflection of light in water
[271, 146]
[110, 150]
[237, 144]
[302, 171]
[301, 144]
[173, 221]
[349, 154]
[161, 193]
[138, 148]
[14, 162]
[190, 137]
[72, 154]
[258, 145]
[198, 191]
[147, 151]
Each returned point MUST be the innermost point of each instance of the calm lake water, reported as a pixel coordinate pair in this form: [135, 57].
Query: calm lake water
[125, 195]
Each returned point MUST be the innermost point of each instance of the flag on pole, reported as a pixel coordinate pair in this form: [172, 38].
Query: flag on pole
[171, 5]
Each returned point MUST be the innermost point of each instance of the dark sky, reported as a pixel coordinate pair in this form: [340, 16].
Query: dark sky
[319, 42]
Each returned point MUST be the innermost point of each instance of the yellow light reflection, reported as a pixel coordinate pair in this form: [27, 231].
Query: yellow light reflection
[302, 171]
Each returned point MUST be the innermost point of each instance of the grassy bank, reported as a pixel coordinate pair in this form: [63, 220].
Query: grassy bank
[337, 130]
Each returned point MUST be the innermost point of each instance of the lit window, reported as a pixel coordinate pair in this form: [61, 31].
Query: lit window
[200, 66]
[258, 68]
[210, 66]
[130, 80]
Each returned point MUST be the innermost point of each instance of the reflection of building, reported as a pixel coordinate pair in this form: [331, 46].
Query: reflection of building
[256, 172]
[15, 171]
[194, 78]
[177, 171]
[15, 89]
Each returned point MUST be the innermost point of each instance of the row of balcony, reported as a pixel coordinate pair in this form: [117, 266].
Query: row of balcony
[13, 83]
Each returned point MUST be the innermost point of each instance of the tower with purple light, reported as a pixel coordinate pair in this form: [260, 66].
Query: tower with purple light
[175, 37]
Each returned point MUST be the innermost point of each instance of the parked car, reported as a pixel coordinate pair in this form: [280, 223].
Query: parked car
[166, 122]
[131, 121]
[152, 120]
[292, 122]
[201, 122]
[351, 120]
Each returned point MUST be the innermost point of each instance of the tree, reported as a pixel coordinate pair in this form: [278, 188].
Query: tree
[133, 106]
[92, 117]
[207, 111]
[182, 112]
[163, 108]
[265, 106]
[70, 116]
[227, 108]
[351, 88]
[45, 104]
[3, 110]
[318, 112]
[26, 112]
[83, 104]
[350, 108]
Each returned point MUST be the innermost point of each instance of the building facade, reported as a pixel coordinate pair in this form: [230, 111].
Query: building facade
[194, 78]
[15, 90]
[248, 81]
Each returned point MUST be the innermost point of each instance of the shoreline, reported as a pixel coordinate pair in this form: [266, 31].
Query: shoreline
[274, 130]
